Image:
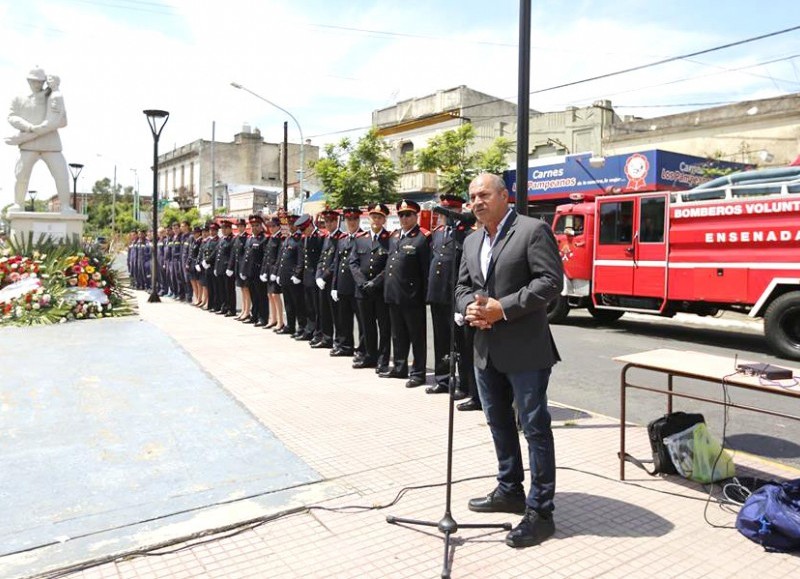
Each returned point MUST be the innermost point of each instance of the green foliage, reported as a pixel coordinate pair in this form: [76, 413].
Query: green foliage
[355, 175]
[176, 215]
[448, 155]
[102, 206]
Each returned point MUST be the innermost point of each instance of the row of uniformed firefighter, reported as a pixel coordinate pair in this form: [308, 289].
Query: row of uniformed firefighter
[328, 280]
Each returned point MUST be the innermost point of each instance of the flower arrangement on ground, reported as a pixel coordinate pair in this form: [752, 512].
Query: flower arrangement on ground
[48, 283]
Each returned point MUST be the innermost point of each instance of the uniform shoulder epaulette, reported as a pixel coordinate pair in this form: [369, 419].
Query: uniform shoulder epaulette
[438, 227]
[384, 234]
[396, 233]
[361, 234]
[322, 232]
[424, 232]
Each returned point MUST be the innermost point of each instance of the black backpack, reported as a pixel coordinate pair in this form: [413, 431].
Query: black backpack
[657, 431]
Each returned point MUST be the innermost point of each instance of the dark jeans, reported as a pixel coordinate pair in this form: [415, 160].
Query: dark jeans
[498, 391]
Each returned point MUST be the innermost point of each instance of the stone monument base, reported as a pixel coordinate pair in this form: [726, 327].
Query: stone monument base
[57, 226]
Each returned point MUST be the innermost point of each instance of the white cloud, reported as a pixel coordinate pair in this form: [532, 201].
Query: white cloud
[113, 64]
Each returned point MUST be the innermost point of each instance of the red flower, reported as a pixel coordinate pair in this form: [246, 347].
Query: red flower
[107, 291]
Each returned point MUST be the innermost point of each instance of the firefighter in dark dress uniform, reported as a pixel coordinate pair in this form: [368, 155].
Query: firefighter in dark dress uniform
[343, 290]
[447, 242]
[404, 286]
[191, 263]
[324, 278]
[313, 238]
[208, 258]
[252, 261]
[225, 284]
[269, 274]
[235, 266]
[290, 277]
[367, 264]
[186, 243]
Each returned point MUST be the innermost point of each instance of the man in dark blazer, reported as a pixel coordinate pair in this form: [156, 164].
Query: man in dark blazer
[509, 272]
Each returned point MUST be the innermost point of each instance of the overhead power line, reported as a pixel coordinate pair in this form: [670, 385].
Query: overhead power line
[668, 60]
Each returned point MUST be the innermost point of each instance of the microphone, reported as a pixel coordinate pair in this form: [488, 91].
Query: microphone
[467, 217]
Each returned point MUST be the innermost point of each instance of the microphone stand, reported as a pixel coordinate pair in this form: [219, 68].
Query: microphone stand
[447, 524]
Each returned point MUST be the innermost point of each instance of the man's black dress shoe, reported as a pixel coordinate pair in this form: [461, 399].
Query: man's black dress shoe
[381, 369]
[364, 363]
[248, 321]
[339, 353]
[414, 382]
[532, 530]
[392, 374]
[284, 330]
[495, 502]
[459, 394]
[302, 337]
[229, 314]
[437, 389]
[321, 344]
[260, 324]
[470, 404]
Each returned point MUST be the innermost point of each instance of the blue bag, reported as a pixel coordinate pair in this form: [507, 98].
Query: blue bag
[771, 516]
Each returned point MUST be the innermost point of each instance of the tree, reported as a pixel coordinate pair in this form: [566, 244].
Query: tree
[355, 175]
[448, 155]
[105, 201]
[176, 215]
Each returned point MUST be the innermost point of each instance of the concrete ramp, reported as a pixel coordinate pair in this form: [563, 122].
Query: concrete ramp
[113, 438]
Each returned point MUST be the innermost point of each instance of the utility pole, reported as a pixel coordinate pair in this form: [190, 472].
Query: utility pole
[114, 204]
[523, 105]
[285, 165]
[213, 171]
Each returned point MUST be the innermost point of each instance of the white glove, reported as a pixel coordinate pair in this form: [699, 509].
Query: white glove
[205, 264]
[242, 276]
[295, 280]
[216, 274]
[263, 277]
[273, 277]
[229, 272]
[335, 295]
[320, 283]
[458, 318]
[197, 267]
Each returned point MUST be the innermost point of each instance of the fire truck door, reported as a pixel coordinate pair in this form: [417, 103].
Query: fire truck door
[650, 248]
[614, 249]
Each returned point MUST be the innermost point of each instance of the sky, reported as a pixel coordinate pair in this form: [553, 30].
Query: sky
[331, 63]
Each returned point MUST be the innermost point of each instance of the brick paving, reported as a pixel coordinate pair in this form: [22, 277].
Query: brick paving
[374, 437]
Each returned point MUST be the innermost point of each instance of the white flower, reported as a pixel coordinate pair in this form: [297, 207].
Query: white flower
[36, 306]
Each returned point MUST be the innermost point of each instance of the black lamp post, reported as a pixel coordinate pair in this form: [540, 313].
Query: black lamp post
[156, 119]
[75, 170]
[32, 195]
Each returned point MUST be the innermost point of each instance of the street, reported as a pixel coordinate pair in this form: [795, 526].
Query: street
[588, 378]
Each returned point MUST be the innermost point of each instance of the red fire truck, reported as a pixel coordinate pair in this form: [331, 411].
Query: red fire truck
[731, 244]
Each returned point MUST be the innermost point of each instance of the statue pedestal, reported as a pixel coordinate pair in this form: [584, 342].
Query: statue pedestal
[57, 226]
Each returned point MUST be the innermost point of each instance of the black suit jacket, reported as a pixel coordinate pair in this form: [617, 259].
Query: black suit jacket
[524, 274]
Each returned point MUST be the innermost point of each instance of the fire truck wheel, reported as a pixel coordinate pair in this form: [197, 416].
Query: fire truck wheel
[557, 310]
[782, 325]
[604, 316]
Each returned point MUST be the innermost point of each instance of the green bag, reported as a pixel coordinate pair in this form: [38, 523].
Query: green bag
[694, 452]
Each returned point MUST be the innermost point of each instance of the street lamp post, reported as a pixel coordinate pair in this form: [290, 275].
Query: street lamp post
[300, 130]
[156, 119]
[32, 195]
[75, 170]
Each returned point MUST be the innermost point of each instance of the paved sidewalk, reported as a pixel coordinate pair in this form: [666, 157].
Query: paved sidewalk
[372, 437]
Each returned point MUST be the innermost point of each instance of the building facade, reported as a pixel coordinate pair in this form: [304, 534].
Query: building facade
[408, 125]
[185, 173]
[764, 132]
